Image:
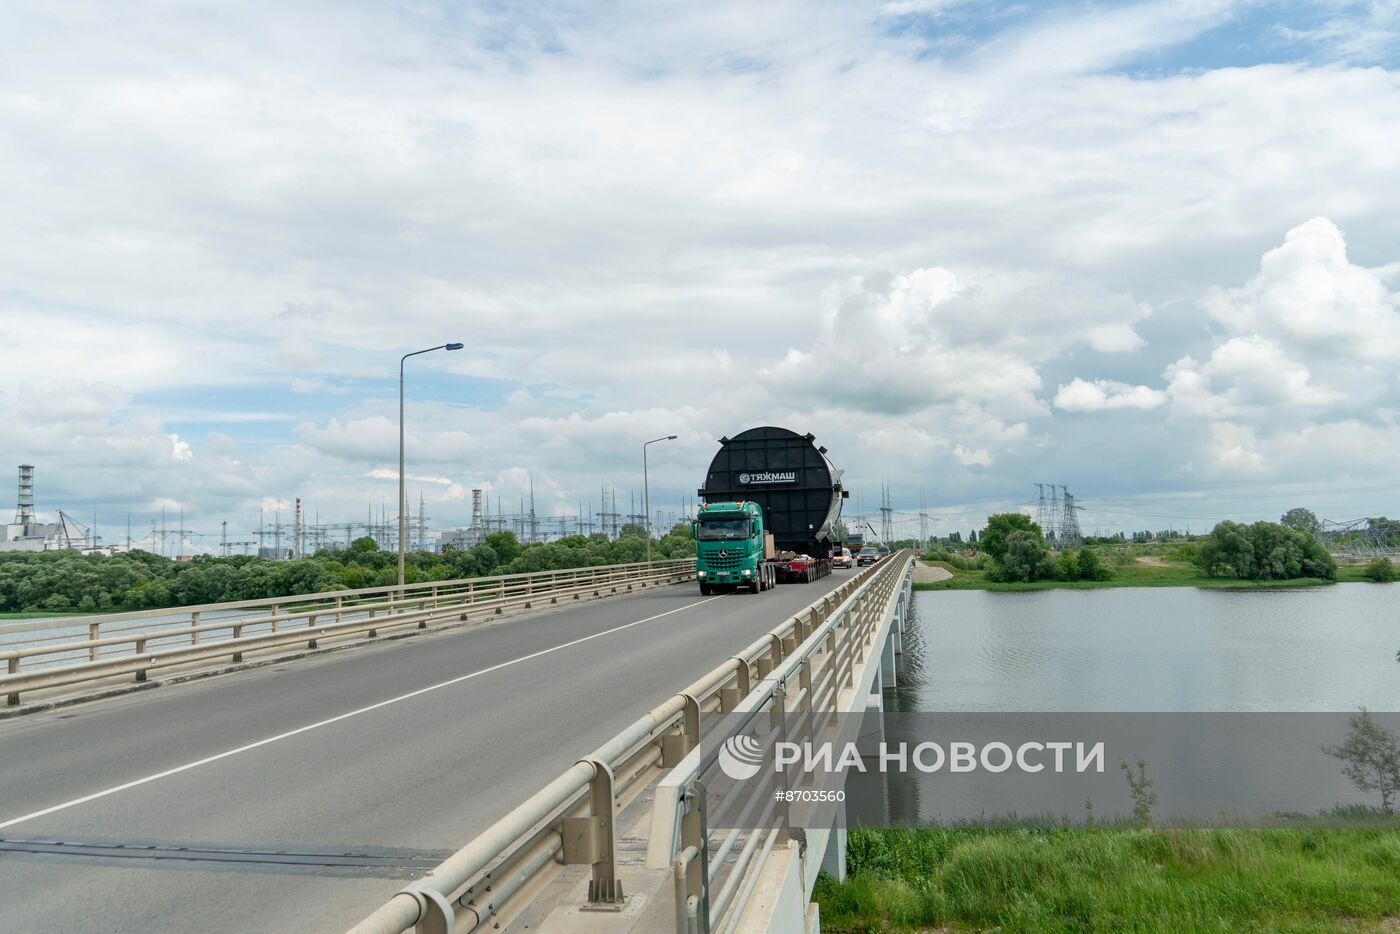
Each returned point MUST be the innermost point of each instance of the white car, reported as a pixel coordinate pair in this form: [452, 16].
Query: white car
[842, 558]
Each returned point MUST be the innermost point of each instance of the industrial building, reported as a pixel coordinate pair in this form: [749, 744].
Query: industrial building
[26, 533]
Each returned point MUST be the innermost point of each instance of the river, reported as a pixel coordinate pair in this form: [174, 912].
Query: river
[1153, 649]
[1230, 695]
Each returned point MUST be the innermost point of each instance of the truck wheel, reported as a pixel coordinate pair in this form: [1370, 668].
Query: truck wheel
[706, 590]
[755, 586]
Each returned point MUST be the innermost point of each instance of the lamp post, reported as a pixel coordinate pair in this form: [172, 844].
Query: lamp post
[646, 489]
[403, 496]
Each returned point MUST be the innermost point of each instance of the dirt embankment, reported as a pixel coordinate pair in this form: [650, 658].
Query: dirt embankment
[927, 574]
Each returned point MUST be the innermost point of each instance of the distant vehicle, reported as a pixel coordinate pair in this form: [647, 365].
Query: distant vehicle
[867, 556]
[842, 558]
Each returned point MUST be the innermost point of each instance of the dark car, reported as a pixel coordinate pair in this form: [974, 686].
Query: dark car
[866, 558]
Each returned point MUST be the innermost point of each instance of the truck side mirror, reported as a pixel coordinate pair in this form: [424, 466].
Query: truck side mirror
[694, 531]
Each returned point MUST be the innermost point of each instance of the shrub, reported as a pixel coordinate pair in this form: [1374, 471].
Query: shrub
[1263, 551]
[1024, 559]
[1001, 527]
[1379, 570]
[1085, 564]
[1091, 567]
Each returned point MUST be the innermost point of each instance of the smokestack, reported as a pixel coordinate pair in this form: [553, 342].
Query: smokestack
[476, 509]
[24, 514]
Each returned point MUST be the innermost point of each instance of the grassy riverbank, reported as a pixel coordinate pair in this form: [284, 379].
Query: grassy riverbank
[42, 614]
[1131, 574]
[1314, 880]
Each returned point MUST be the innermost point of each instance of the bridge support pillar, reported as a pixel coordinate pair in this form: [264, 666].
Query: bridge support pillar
[887, 663]
[872, 724]
[897, 630]
[834, 859]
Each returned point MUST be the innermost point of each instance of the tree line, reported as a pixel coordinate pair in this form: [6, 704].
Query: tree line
[1016, 551]
[66, 581]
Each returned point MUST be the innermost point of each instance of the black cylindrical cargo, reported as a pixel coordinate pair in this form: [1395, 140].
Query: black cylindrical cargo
[791, 480]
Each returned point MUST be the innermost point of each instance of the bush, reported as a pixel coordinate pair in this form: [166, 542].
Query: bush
[1001, 527]
[1025, 558]
[1379, 570]
[1263, 551]
[1092, 567]
[1083, 565]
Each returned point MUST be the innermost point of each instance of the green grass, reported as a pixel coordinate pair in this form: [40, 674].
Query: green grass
[1131, 574]
[49, 614]
[1170, 880]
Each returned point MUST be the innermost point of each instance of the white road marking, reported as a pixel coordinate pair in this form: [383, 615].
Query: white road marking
[336, 719]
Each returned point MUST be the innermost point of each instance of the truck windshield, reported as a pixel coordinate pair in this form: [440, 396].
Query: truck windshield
[717, 530]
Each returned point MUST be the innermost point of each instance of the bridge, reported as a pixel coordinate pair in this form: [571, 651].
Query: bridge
[528, 751]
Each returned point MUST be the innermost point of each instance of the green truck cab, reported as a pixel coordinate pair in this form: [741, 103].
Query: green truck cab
[733, 550]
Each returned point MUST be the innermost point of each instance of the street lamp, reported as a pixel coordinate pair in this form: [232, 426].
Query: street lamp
[646, 490]
[403, 496]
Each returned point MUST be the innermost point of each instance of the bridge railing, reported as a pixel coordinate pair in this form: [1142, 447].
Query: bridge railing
[79, 649]
[571, 820]
[715, 871]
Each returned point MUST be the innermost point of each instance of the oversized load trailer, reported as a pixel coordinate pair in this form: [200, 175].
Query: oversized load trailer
[796, 487]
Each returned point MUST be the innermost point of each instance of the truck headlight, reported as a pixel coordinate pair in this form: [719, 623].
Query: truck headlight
[747, 572]
[699, 573]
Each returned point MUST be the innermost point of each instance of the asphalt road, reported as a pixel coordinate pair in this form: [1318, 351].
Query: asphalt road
[299, 797]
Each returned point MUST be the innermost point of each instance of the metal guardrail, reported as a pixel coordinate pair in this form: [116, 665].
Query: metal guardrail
[571, 820]
[714, 881]
[189, 636]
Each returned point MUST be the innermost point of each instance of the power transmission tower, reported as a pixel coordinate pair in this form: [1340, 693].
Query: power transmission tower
[1042, 514]
[180, 534]
[1069, 535]
[886, 515]
[422, 523]
[923, 519]
[534, 520]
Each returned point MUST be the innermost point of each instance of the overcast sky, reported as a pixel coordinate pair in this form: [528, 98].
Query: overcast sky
[1147, 250]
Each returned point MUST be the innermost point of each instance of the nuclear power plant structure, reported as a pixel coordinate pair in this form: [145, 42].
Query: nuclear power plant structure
[26, 533]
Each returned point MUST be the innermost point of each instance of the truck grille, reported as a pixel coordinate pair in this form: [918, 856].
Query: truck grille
[726, 563]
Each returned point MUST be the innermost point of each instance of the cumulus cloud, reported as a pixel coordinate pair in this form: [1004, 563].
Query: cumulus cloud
[823, 218]
[1308, 294]
[1304, 348]
[933, 337]
[1084, 396]
[968, 458]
